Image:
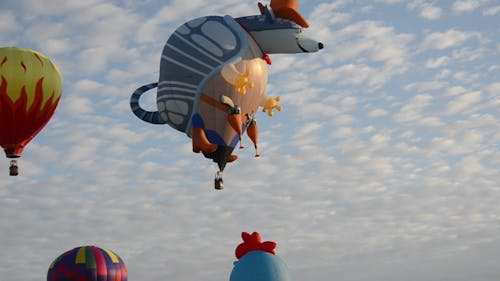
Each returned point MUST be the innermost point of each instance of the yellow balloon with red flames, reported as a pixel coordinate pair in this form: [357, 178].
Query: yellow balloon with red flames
[30, 89]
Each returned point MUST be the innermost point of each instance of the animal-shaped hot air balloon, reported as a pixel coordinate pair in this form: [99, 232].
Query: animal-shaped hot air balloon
[257, 261]
[87, 263]
[30, 89]
[213, 76]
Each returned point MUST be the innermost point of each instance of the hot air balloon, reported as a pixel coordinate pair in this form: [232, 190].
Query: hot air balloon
[87, 263]
[257, 261]
[213, 75]
[30, 89]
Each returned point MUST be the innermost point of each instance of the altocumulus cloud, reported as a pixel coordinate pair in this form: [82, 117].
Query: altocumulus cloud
[383, 164]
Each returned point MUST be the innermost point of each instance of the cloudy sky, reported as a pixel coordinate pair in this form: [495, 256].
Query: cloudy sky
[383, 165]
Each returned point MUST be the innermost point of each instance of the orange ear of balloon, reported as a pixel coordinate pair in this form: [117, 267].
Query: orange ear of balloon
[287, 9]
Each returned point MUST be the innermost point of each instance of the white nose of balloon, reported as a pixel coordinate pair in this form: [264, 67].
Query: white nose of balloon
[308, 45]
[285, 41]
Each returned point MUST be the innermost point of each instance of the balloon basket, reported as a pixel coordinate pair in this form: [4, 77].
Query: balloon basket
[13, 169]
[218, 181]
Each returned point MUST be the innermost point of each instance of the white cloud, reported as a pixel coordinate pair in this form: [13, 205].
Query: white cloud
[8, 24]
[430, 121]
[45, 30]
[361, 45]
[455, 90]
[342, 132]
[380, 139]
[178, 11]
[381, 143]
[368, 37]
[426, 10]
[465, 77]
[443, 74]
[343, 120]
[492, 11]
[493, 88]
[377, 113]
[445, 40]
[462, 102]
[430, 12]
[352, 74]
[414, 110]
[327, 14]
[438, 62]
[76, 106]
[86, 86]
[56, 46]
[56, 7]
[462, 6]
[83, 153]
[424, 86]
[389, 1]
[468, 54]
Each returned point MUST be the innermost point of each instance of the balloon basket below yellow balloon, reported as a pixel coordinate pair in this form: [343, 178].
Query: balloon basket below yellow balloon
[13, 169]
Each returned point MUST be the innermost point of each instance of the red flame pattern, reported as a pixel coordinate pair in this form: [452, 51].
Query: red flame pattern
[20, 124]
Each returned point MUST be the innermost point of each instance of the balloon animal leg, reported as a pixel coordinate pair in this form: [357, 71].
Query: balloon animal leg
[236, 123]
[257, 153]
[201, 143]
[253, 133]
[234, 117]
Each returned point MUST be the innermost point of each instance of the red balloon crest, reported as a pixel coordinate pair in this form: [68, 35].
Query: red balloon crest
[253, 242]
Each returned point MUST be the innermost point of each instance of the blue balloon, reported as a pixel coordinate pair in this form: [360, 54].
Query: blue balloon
[260, 266]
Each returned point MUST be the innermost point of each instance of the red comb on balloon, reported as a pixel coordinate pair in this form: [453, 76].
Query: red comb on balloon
[253, 242]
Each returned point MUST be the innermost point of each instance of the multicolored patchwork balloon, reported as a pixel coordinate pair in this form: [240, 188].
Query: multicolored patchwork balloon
[87, 263]
[30, 89]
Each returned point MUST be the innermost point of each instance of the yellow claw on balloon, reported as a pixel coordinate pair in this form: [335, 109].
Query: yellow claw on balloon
[241, 82]
[270, 104]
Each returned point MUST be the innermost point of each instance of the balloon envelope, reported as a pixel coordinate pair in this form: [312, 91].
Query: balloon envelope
[30, 89]
[260, 266]
[87, 263]
[257, 261]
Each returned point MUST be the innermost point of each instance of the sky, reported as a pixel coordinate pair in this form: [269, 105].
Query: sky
[384, 163]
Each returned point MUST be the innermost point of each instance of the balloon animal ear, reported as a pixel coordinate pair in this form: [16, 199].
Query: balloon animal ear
[265, 11]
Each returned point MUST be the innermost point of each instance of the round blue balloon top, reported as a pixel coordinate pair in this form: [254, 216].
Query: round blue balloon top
[260, 266]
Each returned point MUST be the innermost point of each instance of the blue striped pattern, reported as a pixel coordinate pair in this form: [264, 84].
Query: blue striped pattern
[190, 58]
[148, 116]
